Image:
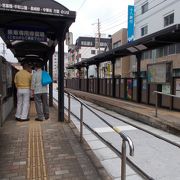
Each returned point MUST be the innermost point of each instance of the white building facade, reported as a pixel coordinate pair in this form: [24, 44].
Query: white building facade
[87, 47]
[154, 15]
[55, 65]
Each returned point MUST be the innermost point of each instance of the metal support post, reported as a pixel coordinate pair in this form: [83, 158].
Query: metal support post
[69, 107]
[61, 80]
[81, 123]
[123, 161]
[1, 110]
[156, 104]
[51, 85]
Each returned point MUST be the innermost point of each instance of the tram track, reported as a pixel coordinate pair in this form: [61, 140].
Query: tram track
[138, 170]
[138, 127]
[135, 167]
[152, 148]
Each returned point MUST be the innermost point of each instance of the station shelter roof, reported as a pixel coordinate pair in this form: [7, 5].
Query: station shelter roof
[158, 39]
[32, 28]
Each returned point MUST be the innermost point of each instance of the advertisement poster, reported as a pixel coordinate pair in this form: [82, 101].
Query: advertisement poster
[178, 87]
[166, 88]
[157, 73]
[178, 84]
[144, 84]
[135, 83]
[129, 89]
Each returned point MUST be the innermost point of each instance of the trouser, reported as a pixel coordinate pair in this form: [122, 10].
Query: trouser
[23, 103]
[42, 107]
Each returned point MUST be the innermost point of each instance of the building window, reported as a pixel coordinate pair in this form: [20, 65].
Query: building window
[160, 52]
[144, 30]
[144, 8]
[178, 48]
[93, 52]
[168, 19]
[172, 49]
[117, 44]
[103, 44]
[86, 43]
[166, 50]
[176, 72]
[143, 74]
[146, 55]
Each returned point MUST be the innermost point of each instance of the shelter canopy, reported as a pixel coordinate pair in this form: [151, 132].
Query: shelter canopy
[32, 28]
[161, 38]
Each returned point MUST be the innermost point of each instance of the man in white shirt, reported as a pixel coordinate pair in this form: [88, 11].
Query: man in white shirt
[40, 95]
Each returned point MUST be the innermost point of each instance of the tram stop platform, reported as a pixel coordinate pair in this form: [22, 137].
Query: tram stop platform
[167, 120]
[48, 150]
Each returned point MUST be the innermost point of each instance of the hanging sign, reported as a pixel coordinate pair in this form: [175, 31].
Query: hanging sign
[130, 23]
[25, 35]
[33, 9]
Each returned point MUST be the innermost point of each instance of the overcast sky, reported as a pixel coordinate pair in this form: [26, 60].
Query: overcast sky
[112, 15]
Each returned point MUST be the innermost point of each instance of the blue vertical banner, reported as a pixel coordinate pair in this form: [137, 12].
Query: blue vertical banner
[130, 23]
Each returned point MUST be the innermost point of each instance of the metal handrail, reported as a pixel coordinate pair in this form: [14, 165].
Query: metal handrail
[124, 137]
[158, 92]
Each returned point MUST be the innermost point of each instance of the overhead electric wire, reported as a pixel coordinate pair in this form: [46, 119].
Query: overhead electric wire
[81, 5]
[114, 26]
[113, 17]
[114, 22]
[111, 27]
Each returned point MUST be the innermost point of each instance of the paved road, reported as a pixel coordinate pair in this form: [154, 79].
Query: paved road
[156, 157]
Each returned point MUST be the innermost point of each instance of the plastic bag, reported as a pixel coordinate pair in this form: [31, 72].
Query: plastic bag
[46, 78]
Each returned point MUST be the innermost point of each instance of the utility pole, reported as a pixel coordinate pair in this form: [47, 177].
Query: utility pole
[99, 36]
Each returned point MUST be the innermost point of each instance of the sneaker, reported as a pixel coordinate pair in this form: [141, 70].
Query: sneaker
[46, 118]
[37, 119]
[24, 119]
[17, 119]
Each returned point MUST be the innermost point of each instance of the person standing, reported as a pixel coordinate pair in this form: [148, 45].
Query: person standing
[40, 95]
[22, 82]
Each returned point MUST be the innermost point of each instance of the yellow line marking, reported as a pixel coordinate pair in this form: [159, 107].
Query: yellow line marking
[117, 129]
[36, 166]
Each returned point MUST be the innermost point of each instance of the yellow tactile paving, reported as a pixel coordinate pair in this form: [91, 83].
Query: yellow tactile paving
[36, 167]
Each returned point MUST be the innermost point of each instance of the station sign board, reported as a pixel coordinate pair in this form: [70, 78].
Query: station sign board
[34, 9]
[25, 35]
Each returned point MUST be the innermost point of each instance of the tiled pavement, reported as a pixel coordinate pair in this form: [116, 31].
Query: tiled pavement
[45, 150]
